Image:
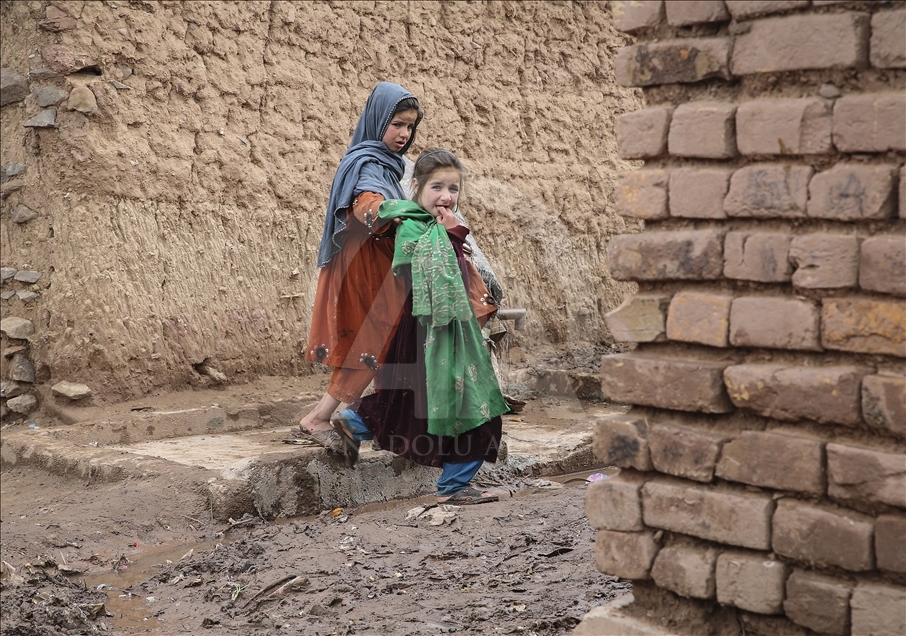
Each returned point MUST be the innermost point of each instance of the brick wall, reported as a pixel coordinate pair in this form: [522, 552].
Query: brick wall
[764, 458]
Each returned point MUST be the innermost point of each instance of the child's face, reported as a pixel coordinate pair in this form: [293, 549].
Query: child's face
[441, 190]
[400, 130]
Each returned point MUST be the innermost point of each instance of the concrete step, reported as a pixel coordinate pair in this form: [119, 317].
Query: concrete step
[236, 451]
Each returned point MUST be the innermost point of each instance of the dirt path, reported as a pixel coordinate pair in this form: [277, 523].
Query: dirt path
[522, 565]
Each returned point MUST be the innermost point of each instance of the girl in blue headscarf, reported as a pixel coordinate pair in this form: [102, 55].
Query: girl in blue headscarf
[358, 301]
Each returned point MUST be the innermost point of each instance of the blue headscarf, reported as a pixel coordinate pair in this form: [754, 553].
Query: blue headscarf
[367, 166]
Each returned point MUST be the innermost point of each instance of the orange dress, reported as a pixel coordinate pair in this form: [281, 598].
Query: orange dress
[359, 301]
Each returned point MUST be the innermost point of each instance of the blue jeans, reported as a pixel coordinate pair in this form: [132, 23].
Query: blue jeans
[454, 476]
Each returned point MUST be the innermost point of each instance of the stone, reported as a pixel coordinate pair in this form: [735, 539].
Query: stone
[698, 193]
[615, 503]
[23, 214]
[705, 130]
[686, 13]
[870, 122]
[11, 389]
[642, 134]
[82, 100]
[23, 404]
[639, 14]
[17, 328]
[71, 390]
[753, 8]
[888, 32]
[621, 440]
[21, 369]
[11, 169]
[628, 555]
[890, 538]
[642, 194]
[13, 86]
[26, 296]
[45, 119]
[784, 127]
[26, 276]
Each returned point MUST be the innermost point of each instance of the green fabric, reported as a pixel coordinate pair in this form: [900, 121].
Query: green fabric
[462, 388]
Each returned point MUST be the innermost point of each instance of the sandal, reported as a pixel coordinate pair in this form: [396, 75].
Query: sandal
[329, 439]
[347, 440]
[469, 496]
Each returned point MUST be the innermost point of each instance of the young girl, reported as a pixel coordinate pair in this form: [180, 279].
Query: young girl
[358, 300]
[437, 400]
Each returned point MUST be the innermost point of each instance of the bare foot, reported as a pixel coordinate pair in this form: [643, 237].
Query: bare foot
[312, 423]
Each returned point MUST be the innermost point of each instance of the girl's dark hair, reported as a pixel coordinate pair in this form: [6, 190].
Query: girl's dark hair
[429, 161]
[409, 103]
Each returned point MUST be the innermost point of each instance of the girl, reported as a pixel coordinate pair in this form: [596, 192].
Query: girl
[437, 400]
[358, 300]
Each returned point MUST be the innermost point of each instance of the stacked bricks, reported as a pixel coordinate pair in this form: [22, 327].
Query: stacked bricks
[764, 457]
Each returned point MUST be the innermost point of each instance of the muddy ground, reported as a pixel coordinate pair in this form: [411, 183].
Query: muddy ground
[147, 557]
[121, 559]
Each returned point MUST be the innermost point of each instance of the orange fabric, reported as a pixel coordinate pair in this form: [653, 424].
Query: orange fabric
[347, 385]
[358, 301]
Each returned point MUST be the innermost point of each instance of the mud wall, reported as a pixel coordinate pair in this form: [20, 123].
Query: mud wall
[764, 461]
[167, 164]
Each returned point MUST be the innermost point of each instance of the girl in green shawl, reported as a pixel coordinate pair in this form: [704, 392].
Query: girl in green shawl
[437, 401]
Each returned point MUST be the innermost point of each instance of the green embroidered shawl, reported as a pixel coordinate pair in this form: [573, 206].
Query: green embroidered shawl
[462, 388]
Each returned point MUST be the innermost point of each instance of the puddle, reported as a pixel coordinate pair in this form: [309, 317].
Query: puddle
[133, 613]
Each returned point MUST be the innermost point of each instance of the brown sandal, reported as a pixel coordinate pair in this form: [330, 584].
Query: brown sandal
[329, 439]
[349, 443]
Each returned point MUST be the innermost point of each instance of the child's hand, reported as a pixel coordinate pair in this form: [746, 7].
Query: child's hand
[446, 218]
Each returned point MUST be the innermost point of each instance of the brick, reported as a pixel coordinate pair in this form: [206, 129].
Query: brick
[698, 193]
[622, 440]
[628, 555]
[825, 261]
[686, 452]
[687, 570]
[640, 318]
[890, 539]
[818, 602]
[801, 42]
[888, 32]
[864, 325]
[639, 14]
[784, 127]
[732, 517]
[862, 474]
[773, 323]
[884, 403]
[850, 192]
[823, 535]
[699, 317]
[678, 61]
[615, 503]
[642, 194]
[882, 265]
[703, 129]
[757, 256]
[873, 122]
[643, 134]
[768, 191]
[609, 619]
[678, 255]
[745, 9]
[750, 581]
[774, 460]
[683, 13]
[828, 395]
[682, 385]
[878, 608]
